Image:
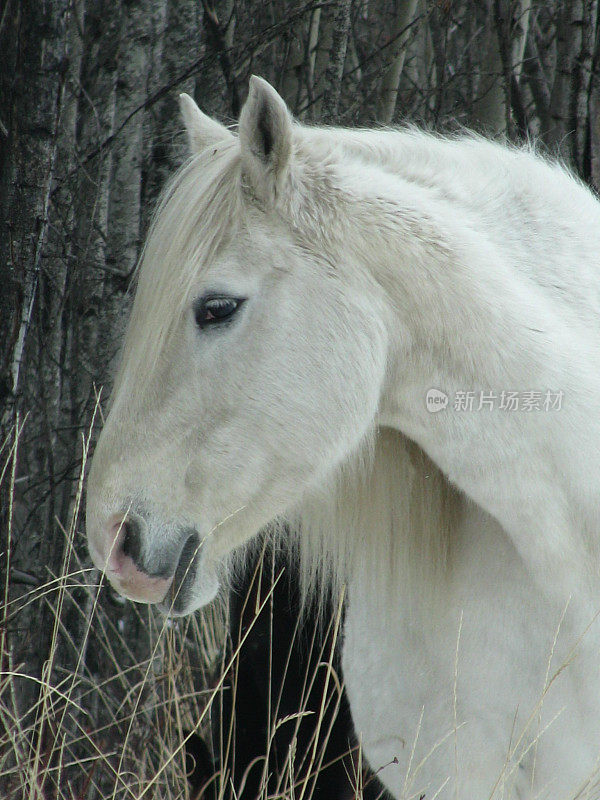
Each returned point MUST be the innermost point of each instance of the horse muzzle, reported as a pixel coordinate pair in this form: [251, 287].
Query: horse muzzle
[148, 565]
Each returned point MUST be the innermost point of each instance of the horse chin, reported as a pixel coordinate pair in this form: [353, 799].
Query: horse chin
[194, 583]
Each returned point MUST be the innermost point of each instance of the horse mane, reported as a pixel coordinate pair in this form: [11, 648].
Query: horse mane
[200, 210]
[388, 516]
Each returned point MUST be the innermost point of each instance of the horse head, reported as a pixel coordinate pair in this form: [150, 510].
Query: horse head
[253, 361]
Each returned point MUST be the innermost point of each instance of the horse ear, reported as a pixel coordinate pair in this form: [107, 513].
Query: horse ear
[202, 131]
[265, 132]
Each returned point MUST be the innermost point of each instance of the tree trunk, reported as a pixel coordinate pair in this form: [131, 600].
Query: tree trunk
[177, 43]
[593, 148]
[520, 31]
[489, 108]
[34, 68]
[311, 60]
[580, 91]
[559, 136]
[337, 55]
[537, 80]
[404, 14]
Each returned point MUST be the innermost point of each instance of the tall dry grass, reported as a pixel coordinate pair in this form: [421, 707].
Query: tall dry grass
[120, 701]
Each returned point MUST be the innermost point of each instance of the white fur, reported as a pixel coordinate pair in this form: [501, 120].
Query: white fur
[377, 265]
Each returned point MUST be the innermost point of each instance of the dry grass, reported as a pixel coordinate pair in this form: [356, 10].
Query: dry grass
[122, 689]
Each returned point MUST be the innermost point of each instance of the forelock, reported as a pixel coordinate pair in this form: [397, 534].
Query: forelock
[199, 212]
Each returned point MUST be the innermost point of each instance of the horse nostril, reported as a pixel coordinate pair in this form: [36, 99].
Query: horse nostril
[131, 564]
[130, 544]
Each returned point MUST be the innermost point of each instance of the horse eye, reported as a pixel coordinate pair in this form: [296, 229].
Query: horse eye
[215, 309]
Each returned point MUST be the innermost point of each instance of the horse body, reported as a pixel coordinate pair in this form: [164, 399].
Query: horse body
[359, 272]
[479, 698]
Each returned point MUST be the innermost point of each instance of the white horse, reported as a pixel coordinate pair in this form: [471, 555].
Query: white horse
[390, 339]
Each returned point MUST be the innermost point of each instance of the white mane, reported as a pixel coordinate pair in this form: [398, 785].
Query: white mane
[388, 511]
[199, 210]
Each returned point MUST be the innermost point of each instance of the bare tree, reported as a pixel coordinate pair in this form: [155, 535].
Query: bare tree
[340, 23]
[559, 136]
[403, 15]
[35, 47]
[489, 107]
[580, 90]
